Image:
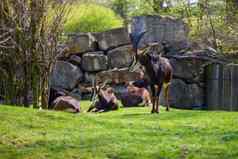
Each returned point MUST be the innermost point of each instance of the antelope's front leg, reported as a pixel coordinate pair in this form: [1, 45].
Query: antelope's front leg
[92, 106]
[153, 98]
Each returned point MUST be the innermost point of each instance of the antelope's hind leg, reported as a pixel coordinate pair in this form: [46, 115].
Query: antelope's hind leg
[166, 95]
[157, 104]
[157, 97]
[153, 105]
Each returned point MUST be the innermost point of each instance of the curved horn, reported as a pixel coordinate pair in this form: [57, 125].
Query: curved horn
[138, 38]
[94, 92]
[133, 63]
[135, 40]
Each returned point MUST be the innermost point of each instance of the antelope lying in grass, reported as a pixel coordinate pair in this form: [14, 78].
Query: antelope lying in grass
[140, 92]
[103, 100]
[158, 69]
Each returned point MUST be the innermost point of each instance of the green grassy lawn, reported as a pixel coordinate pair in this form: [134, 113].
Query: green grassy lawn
[130, 133]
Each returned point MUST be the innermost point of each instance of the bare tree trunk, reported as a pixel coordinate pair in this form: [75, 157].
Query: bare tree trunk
[29, 40]
[26, 86]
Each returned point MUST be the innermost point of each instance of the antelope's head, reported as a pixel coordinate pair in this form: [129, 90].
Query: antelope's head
[143, 54]
[96, 89]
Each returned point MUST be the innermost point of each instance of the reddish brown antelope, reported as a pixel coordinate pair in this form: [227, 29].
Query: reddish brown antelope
[158, 69]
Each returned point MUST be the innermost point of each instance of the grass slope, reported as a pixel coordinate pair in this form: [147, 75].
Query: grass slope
[131, 133]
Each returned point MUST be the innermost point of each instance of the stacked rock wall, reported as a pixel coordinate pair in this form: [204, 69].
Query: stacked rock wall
[108, 54]
[87, 54]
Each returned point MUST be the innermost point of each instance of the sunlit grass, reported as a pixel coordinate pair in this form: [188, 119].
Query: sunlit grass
[127, 133]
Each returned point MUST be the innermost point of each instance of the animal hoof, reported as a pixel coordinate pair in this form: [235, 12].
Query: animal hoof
[152, 111]
[167, 109]
[157, 112]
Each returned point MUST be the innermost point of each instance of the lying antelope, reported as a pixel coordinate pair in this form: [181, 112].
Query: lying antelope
[141, 92]
[158, 69]
[103, 100]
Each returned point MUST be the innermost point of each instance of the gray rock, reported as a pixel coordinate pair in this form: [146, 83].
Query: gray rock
[67, 103]
[129, 100]
[74, 59]
[117, 76]
[185, 96]
[119, 90]
[120, 57]
[94, 61]
[112, 38]
[65, 75]
[76, 93]
[80, 43]
[173, 31]
[190, 70]
[89, 77]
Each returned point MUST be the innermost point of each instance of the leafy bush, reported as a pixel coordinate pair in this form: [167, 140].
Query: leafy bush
[91, 18]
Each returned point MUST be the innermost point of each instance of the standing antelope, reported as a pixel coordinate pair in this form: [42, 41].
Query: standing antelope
[158, 69]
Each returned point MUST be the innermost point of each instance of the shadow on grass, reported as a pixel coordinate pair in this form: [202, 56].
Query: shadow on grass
[136, 115]
[164, 115]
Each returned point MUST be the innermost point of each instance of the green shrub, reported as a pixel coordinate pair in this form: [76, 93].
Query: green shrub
[91, 18]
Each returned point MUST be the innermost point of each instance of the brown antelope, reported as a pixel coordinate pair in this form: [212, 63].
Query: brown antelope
[102, 100]
[141, 92]
[158, 69]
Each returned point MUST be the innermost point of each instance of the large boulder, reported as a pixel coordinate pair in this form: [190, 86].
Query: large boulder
[129, 100]
[119, 90]
[168, 29]
[190, 70]
[120, 57]
[67, 103]
[185, 96]
[86, 91]
[53, 94]
[80, 43]
[191, 66]
[94, 61]
[65, 75]
[117, 76]
[112, 38]
[76, 93]
[74, 59]
[89, 77]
